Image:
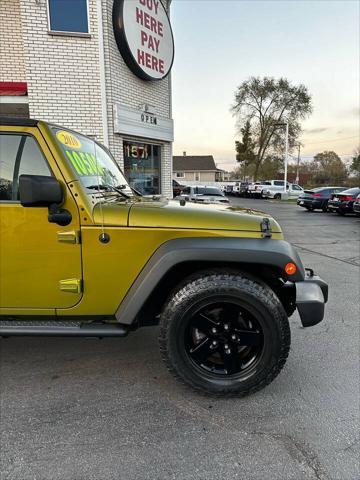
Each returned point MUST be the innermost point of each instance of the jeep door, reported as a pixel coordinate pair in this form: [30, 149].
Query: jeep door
[40, 267]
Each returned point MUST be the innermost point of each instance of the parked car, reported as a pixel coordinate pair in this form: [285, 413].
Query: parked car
[177, 188]
[203, 194]
[255, 189]
[243, 189]
[229, 189]
[269, 188]
[240, 189]
[292, 190]
[295, 190]
[343, 202]
[356, 206]
[317, 198]
[274, 186]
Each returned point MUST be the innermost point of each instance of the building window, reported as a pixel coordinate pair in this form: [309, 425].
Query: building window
[180, 175]
[197, 176]
[68, 16]
[142, 167]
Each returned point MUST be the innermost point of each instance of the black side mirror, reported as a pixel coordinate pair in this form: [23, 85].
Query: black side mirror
[39, 191]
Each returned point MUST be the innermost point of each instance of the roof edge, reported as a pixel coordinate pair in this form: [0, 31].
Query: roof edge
[18, 121]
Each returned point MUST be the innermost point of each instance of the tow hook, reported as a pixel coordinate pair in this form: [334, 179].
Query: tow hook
[266, 228]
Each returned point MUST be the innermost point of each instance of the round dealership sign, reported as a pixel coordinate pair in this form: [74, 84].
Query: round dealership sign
[144, 37]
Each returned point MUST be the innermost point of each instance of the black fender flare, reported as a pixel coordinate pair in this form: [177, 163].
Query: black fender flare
[275, 253]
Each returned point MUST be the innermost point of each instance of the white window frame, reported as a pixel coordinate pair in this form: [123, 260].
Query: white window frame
[180, 174]
[65, 32]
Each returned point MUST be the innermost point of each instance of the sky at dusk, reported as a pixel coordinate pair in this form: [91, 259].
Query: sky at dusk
[221, 43]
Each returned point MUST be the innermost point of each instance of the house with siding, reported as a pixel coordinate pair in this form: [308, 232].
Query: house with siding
[197, 168]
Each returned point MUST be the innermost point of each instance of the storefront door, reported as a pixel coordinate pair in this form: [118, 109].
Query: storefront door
[142, 163]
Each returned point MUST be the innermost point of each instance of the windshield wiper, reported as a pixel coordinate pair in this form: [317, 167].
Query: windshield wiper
[110, 188]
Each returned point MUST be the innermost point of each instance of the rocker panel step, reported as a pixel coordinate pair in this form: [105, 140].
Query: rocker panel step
[60, 329]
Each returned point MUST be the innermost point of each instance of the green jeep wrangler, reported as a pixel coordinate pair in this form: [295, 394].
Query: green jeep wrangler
[82, 254]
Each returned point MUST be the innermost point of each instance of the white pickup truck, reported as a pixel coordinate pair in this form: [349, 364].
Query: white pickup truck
[277, 191]
[258, 188]
[255, 188]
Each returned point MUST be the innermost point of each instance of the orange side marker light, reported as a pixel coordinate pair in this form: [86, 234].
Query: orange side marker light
[290, 268]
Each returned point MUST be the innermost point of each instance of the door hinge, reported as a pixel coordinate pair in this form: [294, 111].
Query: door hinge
[72, 236]
[71, 285]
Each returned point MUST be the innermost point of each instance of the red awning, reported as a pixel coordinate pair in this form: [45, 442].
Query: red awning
[13, 88]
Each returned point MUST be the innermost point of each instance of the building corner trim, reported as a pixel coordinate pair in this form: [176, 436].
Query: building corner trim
[102, 75]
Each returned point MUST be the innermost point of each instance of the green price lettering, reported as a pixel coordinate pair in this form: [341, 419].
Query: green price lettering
[84, 163]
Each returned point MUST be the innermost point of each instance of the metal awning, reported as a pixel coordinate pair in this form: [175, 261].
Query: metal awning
[16, 89]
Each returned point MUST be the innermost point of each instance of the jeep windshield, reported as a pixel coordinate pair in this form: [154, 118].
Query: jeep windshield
[92, 163]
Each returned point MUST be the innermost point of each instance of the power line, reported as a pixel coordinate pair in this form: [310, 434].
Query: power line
[335, 140]
[312, 156]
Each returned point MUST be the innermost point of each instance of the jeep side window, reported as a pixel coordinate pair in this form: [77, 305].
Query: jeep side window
[19, 154]
[9, 146]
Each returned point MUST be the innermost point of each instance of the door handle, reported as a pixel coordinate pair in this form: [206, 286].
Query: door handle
[59, 215]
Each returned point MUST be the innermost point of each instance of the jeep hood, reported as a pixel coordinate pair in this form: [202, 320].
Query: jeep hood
[170, 214]
[162, 213]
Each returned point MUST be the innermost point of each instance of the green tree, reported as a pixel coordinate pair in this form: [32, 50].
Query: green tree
[245, 154]
[265, 103]
[328, 168]
[271, 166]
[355, 165]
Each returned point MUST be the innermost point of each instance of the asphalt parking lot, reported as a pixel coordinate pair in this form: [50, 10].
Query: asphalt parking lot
[87, 409]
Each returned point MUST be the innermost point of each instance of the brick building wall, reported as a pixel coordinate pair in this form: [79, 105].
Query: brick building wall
[123, 87]
[64, 76]
[12, 64]
[62, 71]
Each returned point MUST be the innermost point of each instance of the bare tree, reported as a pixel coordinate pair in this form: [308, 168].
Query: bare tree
[266, 103]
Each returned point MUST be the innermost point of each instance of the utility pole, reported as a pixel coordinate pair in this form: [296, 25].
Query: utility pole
[298, 164]
[286, 155]
[285, 124]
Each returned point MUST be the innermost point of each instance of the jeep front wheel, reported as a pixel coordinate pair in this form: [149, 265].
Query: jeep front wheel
[224, 333]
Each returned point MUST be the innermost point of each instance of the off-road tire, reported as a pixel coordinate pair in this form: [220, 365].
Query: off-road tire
[219, 285]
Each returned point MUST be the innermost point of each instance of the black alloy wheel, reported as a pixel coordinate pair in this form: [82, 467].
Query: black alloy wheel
[224, 333]
[224, 338]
